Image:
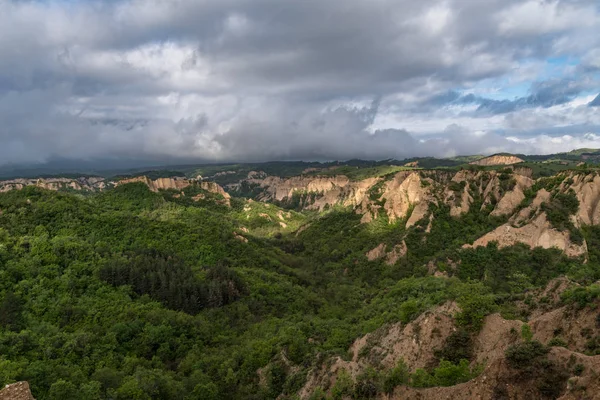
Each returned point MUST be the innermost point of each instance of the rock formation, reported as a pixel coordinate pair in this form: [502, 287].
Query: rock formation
[587, 189]
[98, 184]
[323, 191]
[83, 183]
[415, 344]
[538, 233]
[497, 160]
[405, 191]
[158, 184]
[16, 391]
[391, 257]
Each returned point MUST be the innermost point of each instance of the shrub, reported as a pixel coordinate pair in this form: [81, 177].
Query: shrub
[526, 333]
[475, 307]
[558, 211]
[276, 377]
[557, 342]
[446, 374]
[318, 394]
[524, 355]
[399, 375]
[530, 359]
[457, 346]
[592, 346]
[343, 387]
[581, 296]
[368, 384]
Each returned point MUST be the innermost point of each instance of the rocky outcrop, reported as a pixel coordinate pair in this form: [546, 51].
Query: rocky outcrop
[497, 160]
[587, 189]
[83, 183]
[16, 391]
[537, 233]
[500, 381]
[415, 344]
[98, 184]
[391, 257]
[158, 184]
[459, 200]
[526, 214]
[397, 253]
[215, 188]
[377, 253]
[178, 183]
[504, 191]
[408, 195]
[509, 202]
[315, 193]
[406, 192]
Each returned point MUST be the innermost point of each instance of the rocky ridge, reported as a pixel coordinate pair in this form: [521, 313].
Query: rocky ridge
[415, 344]
[509, 195]
[83, 183]
[99, 184]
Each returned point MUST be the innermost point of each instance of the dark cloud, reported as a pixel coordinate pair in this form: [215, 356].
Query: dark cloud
[595, 102]
[282, 79]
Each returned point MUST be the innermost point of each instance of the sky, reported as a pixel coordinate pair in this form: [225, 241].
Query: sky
[260, 80]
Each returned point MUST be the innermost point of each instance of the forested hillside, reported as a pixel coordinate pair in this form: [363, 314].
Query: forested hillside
[180, 293]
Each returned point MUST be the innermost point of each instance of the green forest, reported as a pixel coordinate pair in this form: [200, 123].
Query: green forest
[131, 294]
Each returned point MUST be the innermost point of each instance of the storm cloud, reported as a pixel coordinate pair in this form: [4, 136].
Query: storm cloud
[225, 80]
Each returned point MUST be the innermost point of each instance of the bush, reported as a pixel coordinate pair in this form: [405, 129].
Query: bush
[592, 346]
[368, 384]
[557, 342]
[344, 386]
[294, 382]
[526, 333]
[446, 374]
[558, 211]
[524, 355]
[399, 375]
[581, 296]
[276, 377]
[475, 307]
[530, 359]
[457, 346]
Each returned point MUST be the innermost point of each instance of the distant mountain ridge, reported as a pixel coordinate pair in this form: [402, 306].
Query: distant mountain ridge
[113, 168]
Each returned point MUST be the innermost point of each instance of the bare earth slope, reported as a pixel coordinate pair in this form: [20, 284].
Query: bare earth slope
[497, 160]
[415, 342]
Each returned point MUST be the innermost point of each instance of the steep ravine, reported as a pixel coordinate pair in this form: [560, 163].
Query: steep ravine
[406, 196]
[409, 195]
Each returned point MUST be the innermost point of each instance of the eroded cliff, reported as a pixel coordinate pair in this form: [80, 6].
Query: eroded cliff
[416, 345]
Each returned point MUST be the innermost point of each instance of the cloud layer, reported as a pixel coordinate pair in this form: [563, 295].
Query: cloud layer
[221, 80]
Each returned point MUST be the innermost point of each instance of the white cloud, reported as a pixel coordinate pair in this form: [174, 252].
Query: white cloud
[266, 79]
[535, 17]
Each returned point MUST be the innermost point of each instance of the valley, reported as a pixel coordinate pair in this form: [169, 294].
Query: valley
[473, 277]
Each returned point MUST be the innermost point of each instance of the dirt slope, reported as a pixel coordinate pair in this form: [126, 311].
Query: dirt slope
[415, 343]
[497, 160]
[537, 233]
